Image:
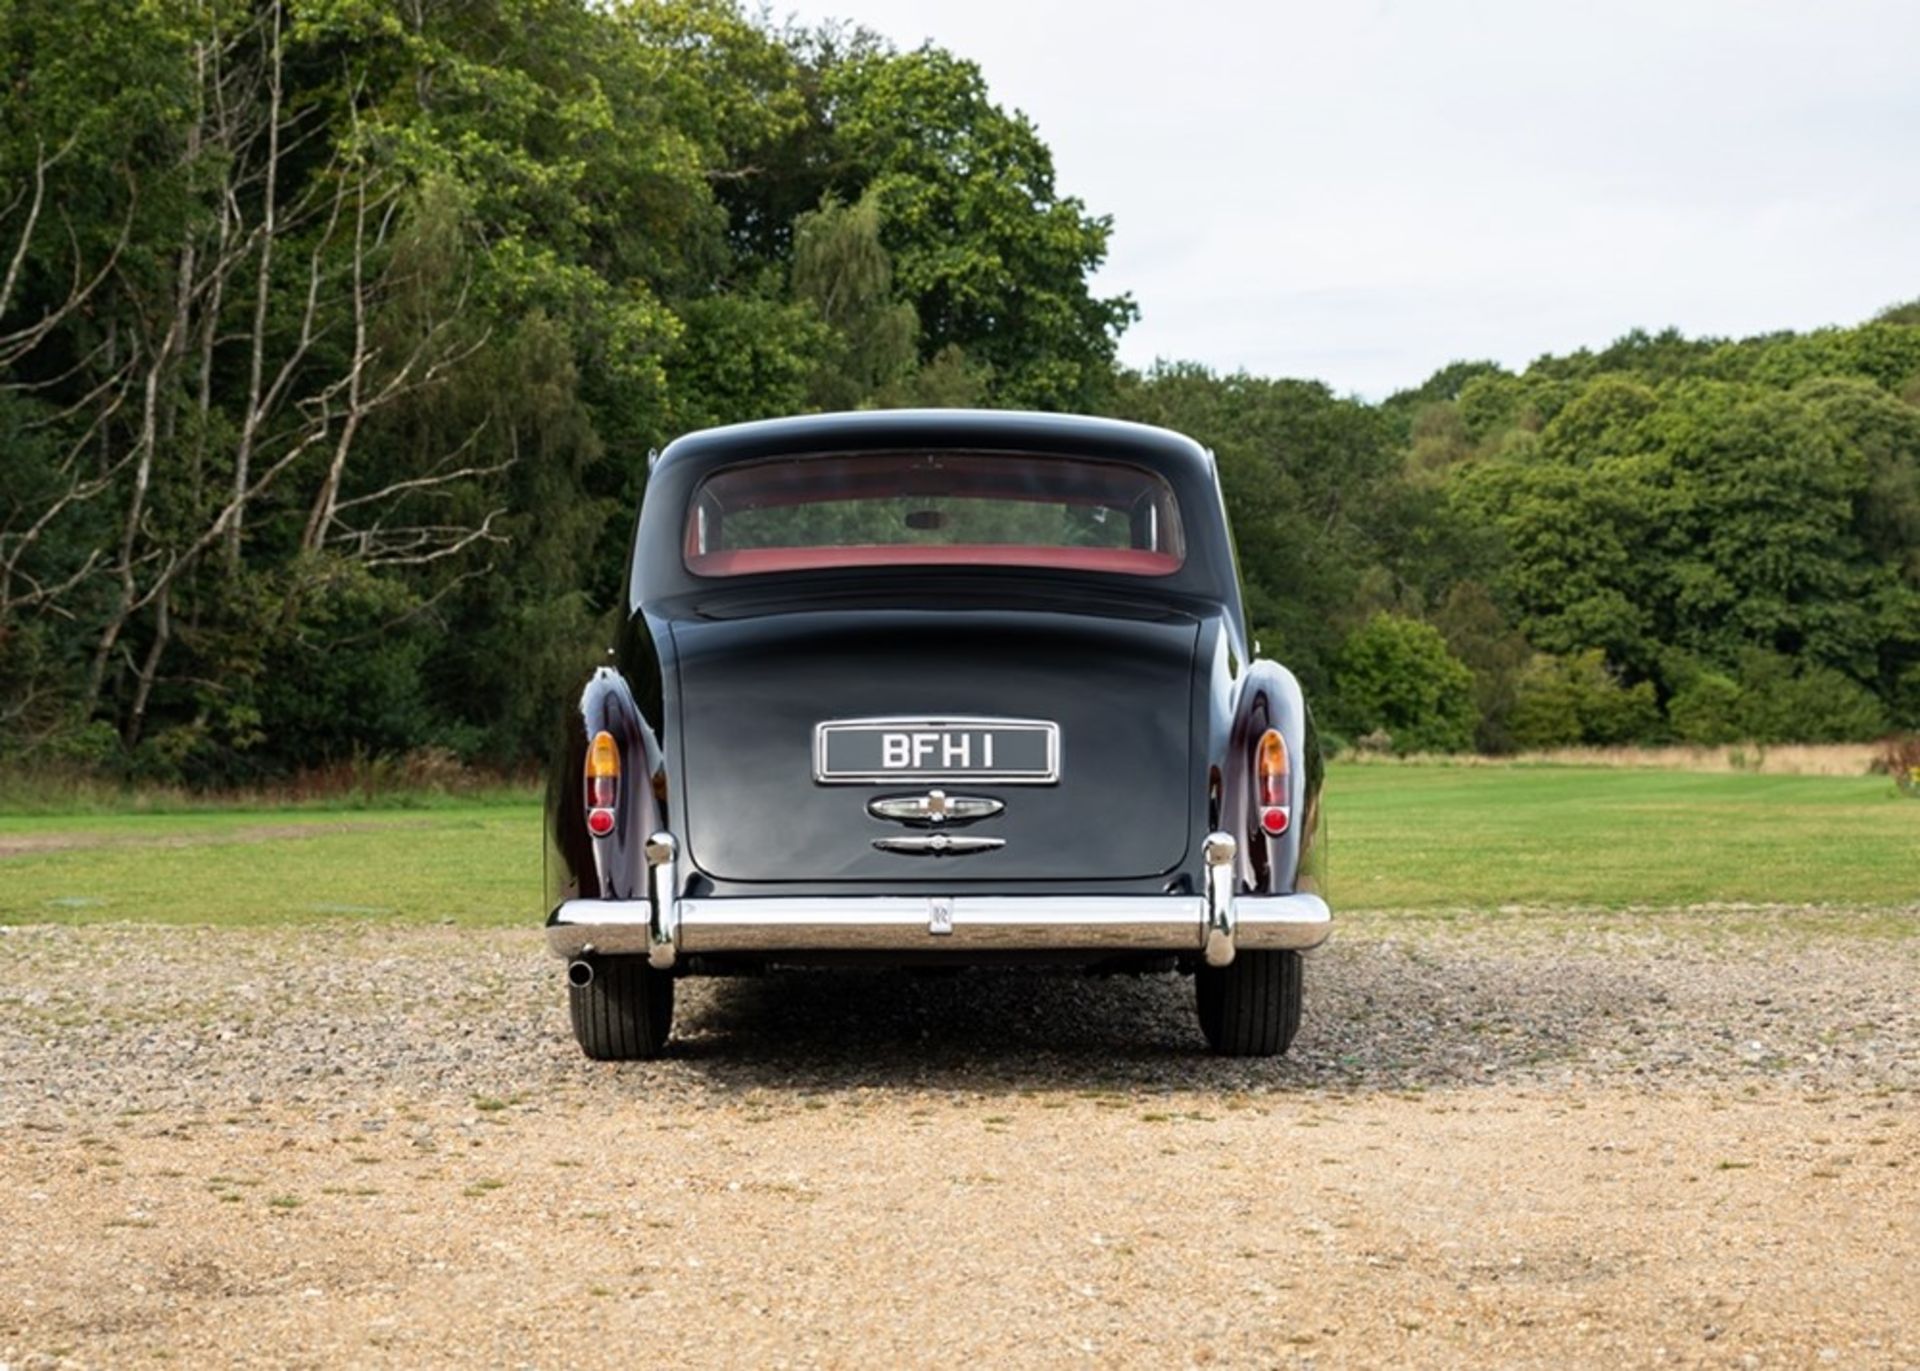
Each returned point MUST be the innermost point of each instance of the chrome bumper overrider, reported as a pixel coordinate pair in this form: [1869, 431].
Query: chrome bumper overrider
[1215, 926]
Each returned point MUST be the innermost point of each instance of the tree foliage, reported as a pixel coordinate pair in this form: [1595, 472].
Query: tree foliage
[334, 336]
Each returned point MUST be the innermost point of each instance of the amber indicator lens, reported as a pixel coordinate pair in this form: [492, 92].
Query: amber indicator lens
[1272, 768]
[1270, 781]
[603, 783]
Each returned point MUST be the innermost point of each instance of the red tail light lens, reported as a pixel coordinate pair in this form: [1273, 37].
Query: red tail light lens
[603, 783]
[1270, 782]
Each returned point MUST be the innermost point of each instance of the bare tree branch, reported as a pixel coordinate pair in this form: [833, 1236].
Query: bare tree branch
[15, 346]
[422, 483]
[138, 401]
[149, 667]
[418, 545]
[41, 165]
[263, 296]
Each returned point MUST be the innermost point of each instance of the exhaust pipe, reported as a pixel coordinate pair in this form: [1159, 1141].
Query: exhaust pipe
[580, 973]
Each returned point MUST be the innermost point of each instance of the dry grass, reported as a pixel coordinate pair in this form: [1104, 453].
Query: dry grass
[1772, 759]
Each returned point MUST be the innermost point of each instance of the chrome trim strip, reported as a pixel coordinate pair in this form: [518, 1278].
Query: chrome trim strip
[1050, 777]
[939, 845]
[899, 923]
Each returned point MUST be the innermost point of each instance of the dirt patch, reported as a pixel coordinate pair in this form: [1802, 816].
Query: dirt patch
[1498, 1228]
[1493, 1145]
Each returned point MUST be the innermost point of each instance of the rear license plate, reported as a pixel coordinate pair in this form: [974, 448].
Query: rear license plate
[1016, 751]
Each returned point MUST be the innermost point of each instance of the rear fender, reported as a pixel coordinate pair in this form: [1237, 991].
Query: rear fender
[1269, 697]
[579, 865]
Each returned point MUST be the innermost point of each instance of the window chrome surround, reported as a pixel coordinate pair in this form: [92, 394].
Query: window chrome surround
[1164, 520]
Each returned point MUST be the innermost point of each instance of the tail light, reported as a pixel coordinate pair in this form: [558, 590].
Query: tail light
[1270, 782]
[603, 783]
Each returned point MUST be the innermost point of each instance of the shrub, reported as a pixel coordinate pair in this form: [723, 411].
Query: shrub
[349, 676]
[1707, 710]
[1900, 757]
[1905, 698]
[1561, 701]
[1781, 702]
[1395, 675]
[1546, 712]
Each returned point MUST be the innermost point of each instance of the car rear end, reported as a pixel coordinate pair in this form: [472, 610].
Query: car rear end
[931, 695]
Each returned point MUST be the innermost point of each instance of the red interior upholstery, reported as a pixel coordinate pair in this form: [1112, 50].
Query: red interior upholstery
[1125, 561]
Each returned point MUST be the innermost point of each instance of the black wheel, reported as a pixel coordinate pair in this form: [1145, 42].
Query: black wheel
[1251, 1006]
[622, 1008]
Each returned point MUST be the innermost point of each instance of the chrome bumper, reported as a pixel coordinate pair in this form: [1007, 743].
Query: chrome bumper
[1214, 926]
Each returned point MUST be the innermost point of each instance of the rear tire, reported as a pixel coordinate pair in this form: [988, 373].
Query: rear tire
[625, 1012]
[1251, 1006]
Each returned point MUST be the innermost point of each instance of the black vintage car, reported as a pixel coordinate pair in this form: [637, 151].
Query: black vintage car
[935, 687]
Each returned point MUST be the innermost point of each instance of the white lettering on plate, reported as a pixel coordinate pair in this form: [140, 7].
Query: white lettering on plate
[941, 749]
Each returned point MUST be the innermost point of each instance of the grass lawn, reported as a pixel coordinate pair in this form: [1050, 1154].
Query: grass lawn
[475, 864]
[1442, 837]
[1401, 838]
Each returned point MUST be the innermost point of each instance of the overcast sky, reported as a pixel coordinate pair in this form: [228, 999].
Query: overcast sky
[1362, 192]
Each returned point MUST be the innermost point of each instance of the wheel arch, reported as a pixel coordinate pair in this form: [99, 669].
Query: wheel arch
[579, 865]
[1268, 695]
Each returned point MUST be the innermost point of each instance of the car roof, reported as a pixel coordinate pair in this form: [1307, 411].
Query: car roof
[658, 576]
[969, 429]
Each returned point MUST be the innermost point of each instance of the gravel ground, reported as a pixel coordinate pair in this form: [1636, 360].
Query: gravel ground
[1656, 1138]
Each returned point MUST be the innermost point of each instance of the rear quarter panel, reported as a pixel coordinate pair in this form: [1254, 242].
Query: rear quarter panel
[1245, 698]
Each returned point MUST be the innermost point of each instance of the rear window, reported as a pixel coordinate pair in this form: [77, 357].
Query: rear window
[933, 509]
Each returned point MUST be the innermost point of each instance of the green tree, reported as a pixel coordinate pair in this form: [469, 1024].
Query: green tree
[1477, 632]
[333, 337]
[1303, 472]
[993, 259]
[841, 268]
